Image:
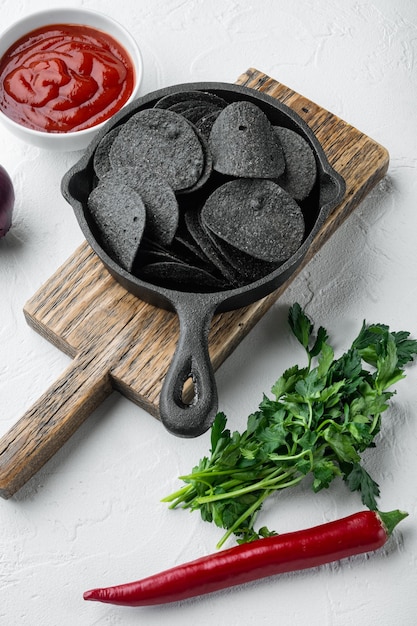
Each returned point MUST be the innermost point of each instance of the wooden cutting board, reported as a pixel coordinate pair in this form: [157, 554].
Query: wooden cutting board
[118, 342]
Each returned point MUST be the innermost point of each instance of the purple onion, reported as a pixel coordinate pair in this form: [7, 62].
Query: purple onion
[6, 201]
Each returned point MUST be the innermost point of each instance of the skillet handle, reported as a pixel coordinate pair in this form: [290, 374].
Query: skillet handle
[191, 361]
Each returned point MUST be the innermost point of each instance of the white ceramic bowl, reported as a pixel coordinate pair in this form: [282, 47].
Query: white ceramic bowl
[76, 140]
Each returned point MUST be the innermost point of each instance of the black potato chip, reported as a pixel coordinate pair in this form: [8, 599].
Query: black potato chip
[205, 123]
[256, 216]
[243, 143]
[149, 256]
[163, 141]
[101, 160]
[152, 252]
[120, 215]
[207, 167]
[248, 268]
[173, 275]
[185, 243]
[189, 252]
[180, 96]
[300, 164]
[200, 236]
[181, 107]
[162, 212]
[198, 111]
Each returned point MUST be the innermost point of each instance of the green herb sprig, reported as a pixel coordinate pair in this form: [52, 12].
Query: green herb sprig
[321, 418]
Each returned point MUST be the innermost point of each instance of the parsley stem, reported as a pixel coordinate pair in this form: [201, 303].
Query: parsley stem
[212, 472]
[262, 485]
[310, 415]
[249, 512]
[294, 457]
[177, 495]
[375, 422]
[327, 422]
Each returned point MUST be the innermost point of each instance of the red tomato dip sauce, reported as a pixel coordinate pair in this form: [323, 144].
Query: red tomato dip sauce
[64, 77]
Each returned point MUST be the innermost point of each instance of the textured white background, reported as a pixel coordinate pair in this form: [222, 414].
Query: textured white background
[92, 515]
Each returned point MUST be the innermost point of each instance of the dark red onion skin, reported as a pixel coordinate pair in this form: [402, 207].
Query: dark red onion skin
[7, 199]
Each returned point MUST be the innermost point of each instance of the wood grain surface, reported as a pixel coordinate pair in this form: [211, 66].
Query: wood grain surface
[118, 342]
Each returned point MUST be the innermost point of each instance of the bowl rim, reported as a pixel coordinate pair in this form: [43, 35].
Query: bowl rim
[52, 16]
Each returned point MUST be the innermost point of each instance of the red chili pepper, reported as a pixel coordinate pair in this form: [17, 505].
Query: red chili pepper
[358, 533]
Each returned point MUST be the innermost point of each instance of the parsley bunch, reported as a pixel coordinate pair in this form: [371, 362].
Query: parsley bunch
[319, 421]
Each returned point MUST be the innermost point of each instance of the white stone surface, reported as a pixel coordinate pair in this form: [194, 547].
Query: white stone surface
[92, 516]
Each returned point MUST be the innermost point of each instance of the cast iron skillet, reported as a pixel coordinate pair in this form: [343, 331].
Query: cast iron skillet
[195, 310]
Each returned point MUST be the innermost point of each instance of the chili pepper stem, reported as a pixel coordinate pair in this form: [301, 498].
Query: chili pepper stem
[391, 519]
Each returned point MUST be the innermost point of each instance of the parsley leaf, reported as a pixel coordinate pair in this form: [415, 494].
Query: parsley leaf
[358, 479]
[300, 325]
[320, 420]
[217, 430]
[406, 348]
[324, 472]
